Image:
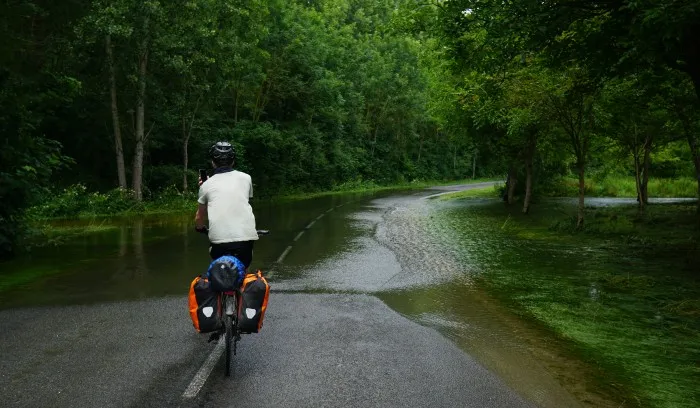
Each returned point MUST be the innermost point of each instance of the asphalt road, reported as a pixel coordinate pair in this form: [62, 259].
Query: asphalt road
[315, 350]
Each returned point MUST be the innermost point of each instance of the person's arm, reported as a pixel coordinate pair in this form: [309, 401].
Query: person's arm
[200, 217]
[201, 214]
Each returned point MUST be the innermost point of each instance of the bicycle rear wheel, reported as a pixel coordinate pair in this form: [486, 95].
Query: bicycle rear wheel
[228, 339]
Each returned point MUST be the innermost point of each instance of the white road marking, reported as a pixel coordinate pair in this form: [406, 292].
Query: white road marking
[298, 236]
[284, 254]
[319, 217]
[201, 377]
[310, 224]
[329, 210]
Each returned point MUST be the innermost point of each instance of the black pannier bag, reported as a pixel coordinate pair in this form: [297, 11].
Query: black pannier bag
[204, 306]
[225, 273]
[253, 302]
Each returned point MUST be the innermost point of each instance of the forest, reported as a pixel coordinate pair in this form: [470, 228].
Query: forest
[111, 103]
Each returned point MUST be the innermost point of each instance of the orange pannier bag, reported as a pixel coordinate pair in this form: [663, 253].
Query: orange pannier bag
[205, 309]
[253, 302]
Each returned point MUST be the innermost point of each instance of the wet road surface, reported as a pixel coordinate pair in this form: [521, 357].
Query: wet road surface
[334, 345]
[315, 350]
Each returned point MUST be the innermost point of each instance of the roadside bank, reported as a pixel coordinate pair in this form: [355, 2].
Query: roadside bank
[623, 293]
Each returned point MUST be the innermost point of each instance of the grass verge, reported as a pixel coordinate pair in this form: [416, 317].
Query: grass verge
[623, 293]
[616, 186]
[371, 187]
[484, 192]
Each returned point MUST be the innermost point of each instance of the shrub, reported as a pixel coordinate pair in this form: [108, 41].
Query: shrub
[75, 201]
[159, 178]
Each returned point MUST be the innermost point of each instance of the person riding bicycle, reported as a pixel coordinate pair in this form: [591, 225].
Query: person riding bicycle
[224, 201]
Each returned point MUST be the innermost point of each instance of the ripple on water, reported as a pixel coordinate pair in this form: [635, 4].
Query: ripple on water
[397, 249]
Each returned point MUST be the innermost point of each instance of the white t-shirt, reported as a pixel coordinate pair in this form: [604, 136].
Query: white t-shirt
[230, 215]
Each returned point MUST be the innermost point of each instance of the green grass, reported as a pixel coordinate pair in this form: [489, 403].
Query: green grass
[616, 186]
[370, 187]
[623, 293]
[77, 203]
[484, 192]
[46, 231]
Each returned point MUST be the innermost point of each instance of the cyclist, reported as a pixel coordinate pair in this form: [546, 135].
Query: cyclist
[223, 201]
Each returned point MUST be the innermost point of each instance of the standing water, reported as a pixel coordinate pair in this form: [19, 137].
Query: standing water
[567, 321]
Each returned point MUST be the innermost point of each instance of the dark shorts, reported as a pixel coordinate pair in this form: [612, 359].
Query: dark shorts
[242, 250]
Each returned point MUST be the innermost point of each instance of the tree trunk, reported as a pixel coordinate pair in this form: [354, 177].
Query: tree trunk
[512, 182]
[638, 181]
[474, 165]
[528, 177]
[693, 144]
[581, 192]
[186, 134]
[118, 148]
[454, 160]
[693, 69]
[528, 186]
[380, 116]
[696, 160]
[420, 147]
[185, 156]
[235, 107]
[140, 116]
[258, 98]
[261, 99]
[645, 175]
[529, 157]
[374, 140]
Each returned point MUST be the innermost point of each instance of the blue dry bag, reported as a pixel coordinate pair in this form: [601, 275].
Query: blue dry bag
[225, 273]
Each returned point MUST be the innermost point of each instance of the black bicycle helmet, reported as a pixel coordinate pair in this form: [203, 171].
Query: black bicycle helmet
[222, 154]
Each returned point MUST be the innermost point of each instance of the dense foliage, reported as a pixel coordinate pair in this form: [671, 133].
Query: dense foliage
[314, 94]
[130, 94]
[561, 85]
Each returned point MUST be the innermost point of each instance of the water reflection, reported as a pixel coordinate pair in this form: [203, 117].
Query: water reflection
[158, 256]
[123, 230]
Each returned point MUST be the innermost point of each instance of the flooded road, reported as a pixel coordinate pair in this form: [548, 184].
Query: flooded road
[419, 257]
[141, 258]
[397, 251]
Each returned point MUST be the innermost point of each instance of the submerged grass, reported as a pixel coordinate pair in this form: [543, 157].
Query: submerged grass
[624, 293]
[45, 233]
[11, 280]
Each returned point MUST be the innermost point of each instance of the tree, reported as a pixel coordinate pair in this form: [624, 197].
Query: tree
[571, 99]
[636, 111]
[687, 118]
[145, 12]
[527, 117]
[33, 85]
[108, 20]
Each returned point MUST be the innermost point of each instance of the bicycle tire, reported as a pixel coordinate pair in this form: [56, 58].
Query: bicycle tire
[228, 338]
